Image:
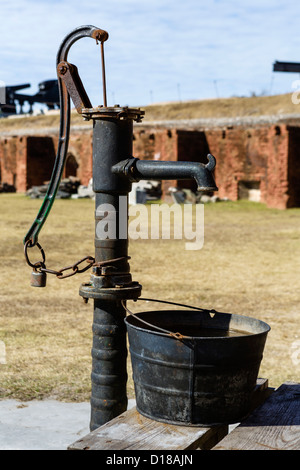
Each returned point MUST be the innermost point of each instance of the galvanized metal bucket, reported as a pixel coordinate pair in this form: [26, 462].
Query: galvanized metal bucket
[195, 367]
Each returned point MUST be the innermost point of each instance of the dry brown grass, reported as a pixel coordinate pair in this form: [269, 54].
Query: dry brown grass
[197, 109]
[223, 107]
[249, 264]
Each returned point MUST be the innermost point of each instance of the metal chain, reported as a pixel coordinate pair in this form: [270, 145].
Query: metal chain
[40, 266]
[75, 269]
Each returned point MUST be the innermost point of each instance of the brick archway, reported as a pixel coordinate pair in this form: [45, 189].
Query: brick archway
[71, 166]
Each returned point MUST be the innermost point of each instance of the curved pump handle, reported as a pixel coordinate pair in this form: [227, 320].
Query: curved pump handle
[64, 130]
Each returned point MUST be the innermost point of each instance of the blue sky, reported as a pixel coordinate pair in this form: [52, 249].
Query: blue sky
[158, 50]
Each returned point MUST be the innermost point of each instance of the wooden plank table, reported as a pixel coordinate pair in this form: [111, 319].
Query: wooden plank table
[132, 431]
[275, 425]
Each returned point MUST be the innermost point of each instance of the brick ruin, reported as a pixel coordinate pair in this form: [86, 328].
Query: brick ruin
[257, 162]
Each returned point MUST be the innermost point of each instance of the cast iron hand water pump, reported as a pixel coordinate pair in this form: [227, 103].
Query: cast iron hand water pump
[114, 170]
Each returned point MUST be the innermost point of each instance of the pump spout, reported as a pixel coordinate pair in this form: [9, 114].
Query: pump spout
[136, 170]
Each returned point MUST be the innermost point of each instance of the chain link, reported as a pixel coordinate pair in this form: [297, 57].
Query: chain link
[40, 266]
[75, 268]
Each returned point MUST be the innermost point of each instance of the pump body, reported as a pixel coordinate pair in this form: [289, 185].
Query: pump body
[114, 169]
[112, 283]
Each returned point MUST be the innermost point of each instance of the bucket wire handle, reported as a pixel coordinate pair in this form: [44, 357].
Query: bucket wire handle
[174, 335]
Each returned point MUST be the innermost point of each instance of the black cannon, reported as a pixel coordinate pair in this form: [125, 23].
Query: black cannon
[48, 95]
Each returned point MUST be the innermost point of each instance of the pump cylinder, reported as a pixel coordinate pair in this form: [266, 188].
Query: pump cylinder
[112, 141]
[109, 353]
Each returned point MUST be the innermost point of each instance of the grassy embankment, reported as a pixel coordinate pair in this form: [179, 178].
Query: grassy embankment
[255, 106]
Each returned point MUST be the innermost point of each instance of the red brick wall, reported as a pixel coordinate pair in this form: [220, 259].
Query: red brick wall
[268, 155]
[294, 167]
[277, 177]
[8, 152]
[254, 154]
[13, 162]
[40, 160]
[241, 156]
[157, 144]
[144, 144]
[192, 147]
[21, 164]
[264, 155]
[28, 160]
[80, 145]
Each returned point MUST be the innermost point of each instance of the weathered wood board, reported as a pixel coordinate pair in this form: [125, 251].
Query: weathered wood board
[275, 425]
[132, 431]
